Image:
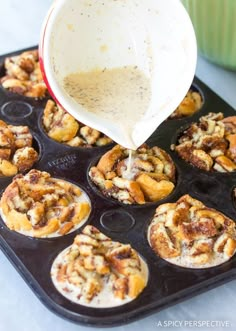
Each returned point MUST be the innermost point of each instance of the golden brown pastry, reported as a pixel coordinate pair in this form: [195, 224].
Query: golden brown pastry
[190, 105]
[38, 205]
[151, 176]
[64, 128]
[210, 144]
[189, 234]
[23, 75]
[16, 151]
[98, 272]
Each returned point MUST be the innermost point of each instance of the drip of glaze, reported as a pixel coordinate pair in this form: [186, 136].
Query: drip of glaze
[129, 164]
[129, 171]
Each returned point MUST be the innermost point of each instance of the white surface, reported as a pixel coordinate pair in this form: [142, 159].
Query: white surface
[156, 36]
[20, 310]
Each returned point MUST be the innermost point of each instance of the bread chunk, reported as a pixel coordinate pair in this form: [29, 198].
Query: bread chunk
[64, 128]
[106, 266]
[23, 75]
[38, 205]
[151, 176]
[210, 144]
[16, 151]
[189, 234]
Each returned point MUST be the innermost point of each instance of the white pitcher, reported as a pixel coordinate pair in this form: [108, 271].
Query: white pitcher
[155, 35]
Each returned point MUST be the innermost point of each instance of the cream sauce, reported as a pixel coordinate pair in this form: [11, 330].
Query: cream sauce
[129, 165]
[121, 95]
[129, 171]
[77, 199]
[104, 299]
[184, 260]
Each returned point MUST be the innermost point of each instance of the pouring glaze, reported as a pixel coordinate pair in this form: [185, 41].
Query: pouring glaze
[105, 39]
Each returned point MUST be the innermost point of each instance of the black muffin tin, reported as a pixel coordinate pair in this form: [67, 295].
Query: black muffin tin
[167, 284]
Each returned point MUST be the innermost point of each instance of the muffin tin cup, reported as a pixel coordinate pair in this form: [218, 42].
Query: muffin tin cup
[75, 148]
[167, 283]
[146, 205]
[197, 89]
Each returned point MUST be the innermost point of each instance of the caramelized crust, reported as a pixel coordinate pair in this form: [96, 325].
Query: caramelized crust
[210, 144]
[64, 128]
[104, 264]
[23, 75]
[24, 158]
[164, 245]
[224, 164]
[151, 176]
[201, 229]
[16, 151]
[108, 161]
[152, 189]
[41, 206]
[190, 105]
[189, 234]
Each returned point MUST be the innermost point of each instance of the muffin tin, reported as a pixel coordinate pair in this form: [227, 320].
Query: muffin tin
[167, 284]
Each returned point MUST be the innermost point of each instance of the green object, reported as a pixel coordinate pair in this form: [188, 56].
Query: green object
[214, 22]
